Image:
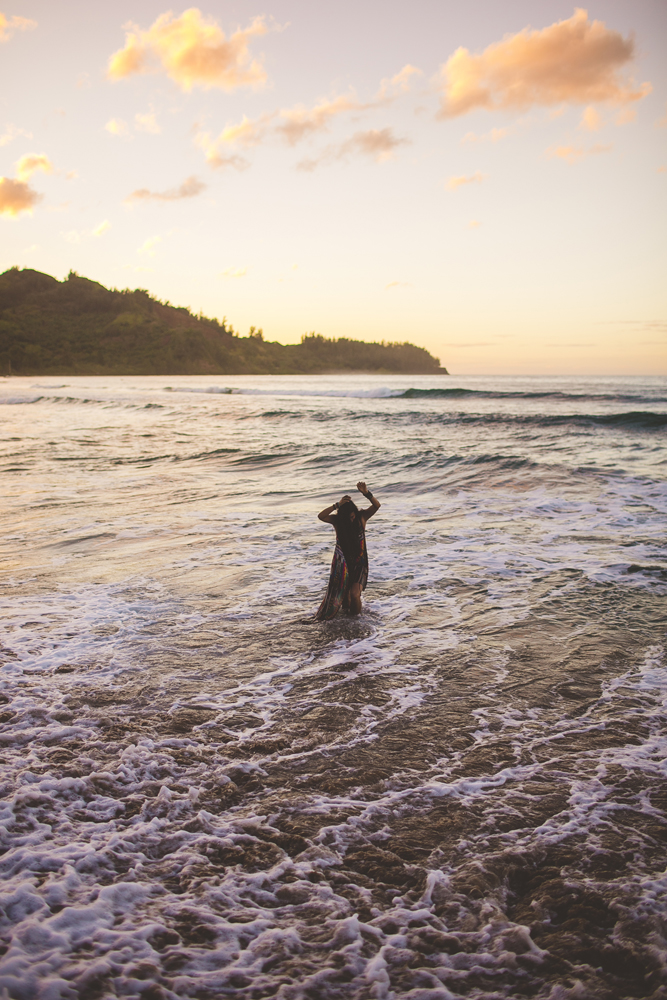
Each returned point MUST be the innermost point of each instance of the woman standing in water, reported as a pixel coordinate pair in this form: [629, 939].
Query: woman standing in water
[349, 568]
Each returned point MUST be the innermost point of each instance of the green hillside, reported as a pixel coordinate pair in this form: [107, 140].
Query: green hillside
[78, 327]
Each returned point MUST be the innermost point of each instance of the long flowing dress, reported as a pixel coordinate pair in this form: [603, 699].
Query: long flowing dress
[349, 565]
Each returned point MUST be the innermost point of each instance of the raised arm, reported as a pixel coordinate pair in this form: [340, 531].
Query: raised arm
[325, 515]
[361, 486]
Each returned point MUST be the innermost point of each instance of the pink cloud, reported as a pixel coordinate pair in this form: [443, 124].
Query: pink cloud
[190, 188]
[576, 61]
[193, 52]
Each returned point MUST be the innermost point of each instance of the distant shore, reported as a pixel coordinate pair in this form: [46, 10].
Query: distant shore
[79, 327]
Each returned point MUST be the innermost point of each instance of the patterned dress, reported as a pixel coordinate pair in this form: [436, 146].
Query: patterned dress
[349, 565]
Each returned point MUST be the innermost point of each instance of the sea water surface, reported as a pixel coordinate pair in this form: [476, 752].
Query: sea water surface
[460, 793]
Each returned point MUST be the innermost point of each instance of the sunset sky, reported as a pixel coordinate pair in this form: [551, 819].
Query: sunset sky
[487, 179]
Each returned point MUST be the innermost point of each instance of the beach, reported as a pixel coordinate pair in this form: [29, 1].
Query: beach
[461, 792]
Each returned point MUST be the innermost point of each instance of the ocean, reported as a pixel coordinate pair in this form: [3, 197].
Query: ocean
[460, 793]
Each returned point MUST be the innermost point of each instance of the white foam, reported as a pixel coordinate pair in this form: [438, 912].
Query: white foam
[181, 588]
[381, 392]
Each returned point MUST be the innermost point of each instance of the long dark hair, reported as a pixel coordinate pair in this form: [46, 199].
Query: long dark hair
[349, 531]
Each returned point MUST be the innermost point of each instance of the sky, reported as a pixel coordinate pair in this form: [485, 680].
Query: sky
[486, 179]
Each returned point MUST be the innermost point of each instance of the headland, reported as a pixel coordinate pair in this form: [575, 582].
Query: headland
[79, 327]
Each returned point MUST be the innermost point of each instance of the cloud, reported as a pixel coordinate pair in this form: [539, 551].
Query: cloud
[495, 135]
[147, 123]
[30, 163]
[400, 83]
[190, 188]
[474, 224]
[456, 182]
[299, 122]
[293, 125]
[246, 133]
[380, 144]
[216, 159]
[192, 52]
[11, 133]
[573, 153]
[16, 197]
[142, 123]
[397, 284]
[591, 120]
[234, 272]
[102, 228]
[117, 126]
[8, 25]
[576, 61]
[148, 245]
[296, 124]
[73, 236]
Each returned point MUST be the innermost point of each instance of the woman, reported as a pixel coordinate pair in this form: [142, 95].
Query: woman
[349, 568]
